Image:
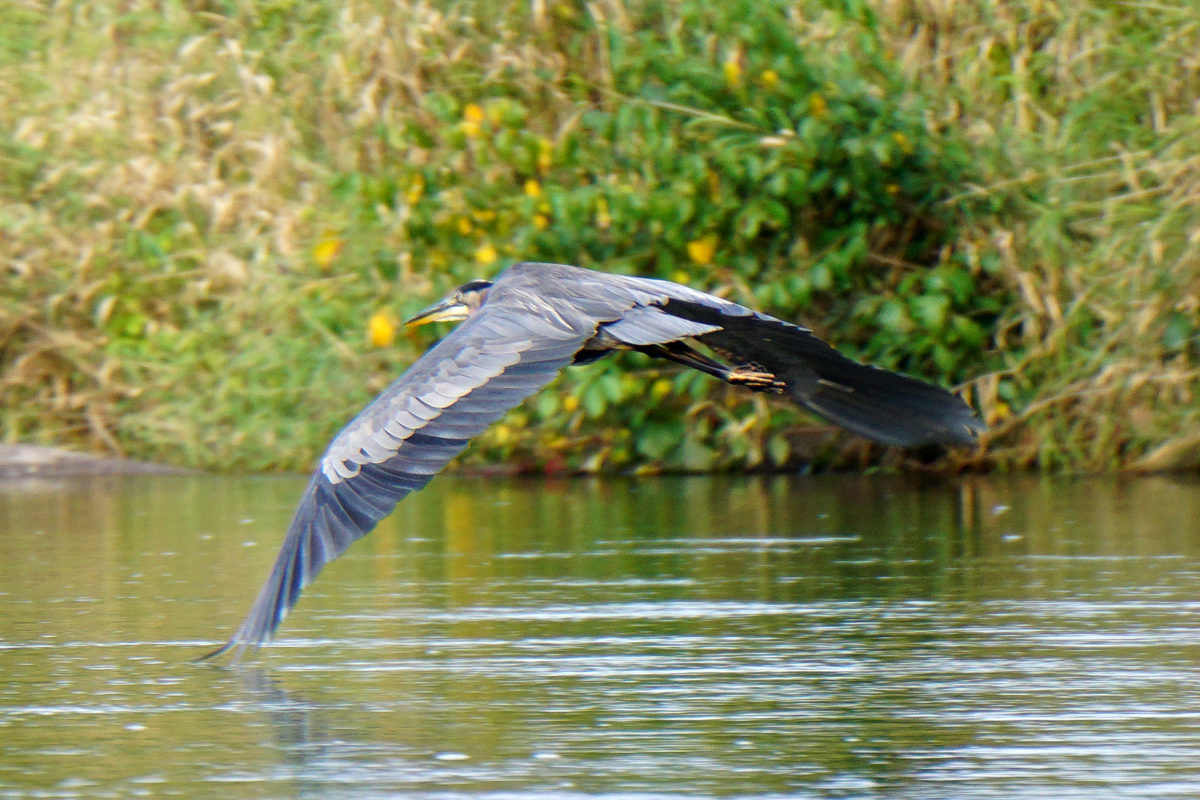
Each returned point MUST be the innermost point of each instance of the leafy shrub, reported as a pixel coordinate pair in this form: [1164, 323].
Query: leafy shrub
[716, 151]
[212, 218]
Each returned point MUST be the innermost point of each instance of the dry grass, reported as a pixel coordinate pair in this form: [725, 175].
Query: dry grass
[1097, 182]
[164, 184]
[167, 177]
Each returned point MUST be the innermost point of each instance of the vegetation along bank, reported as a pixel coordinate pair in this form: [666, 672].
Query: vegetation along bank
[213, 215]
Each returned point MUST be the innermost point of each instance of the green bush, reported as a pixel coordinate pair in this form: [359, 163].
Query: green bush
[718, 152]
[213, 216]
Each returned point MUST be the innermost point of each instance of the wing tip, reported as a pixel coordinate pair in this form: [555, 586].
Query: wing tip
[212, 655]
[960, 426]
[890, 421]
[239, 644]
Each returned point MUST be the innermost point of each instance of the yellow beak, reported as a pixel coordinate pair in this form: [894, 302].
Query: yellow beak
[448, 310]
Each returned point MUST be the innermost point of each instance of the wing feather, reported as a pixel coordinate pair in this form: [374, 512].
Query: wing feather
[651, 325]
[403, 438]
[888, 407]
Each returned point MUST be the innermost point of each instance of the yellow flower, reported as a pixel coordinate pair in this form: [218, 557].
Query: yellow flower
[381, 329]
[484, 214]
[817, 105]
[533, 188]
[902, 140]
[680, 276]
[486, 255]
[603, 218]
[541, 221]
[416, 188]
[570, 403]
[464, 225]
[733, 72]
[702, 250]
[769, 79]
[327, 249]
[472, 124]
[660, 388]
[545, 155]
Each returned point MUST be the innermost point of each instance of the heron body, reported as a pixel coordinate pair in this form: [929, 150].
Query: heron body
[517, 332]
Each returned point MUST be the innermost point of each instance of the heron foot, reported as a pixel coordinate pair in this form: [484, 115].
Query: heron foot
[755, 380]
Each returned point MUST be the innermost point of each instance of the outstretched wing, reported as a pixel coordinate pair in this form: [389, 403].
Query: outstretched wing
[885, 406]
[405, 436]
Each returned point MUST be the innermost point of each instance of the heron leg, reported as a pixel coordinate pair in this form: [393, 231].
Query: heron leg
[747, 376]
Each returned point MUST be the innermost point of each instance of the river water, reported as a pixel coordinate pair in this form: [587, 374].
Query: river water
[764, 637]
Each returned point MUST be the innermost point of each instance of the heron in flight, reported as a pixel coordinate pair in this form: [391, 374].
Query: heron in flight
[517, 332]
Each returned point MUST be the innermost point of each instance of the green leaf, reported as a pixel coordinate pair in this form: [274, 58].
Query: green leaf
[929, 311]
[778, 448]
[656, 440]
[1178, 330]
[893, 316]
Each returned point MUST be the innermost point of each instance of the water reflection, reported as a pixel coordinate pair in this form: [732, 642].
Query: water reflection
[817, 636]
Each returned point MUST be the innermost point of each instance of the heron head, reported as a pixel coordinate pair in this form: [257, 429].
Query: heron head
[462, 303]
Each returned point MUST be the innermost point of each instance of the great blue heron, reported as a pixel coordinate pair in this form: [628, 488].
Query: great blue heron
[518, 332]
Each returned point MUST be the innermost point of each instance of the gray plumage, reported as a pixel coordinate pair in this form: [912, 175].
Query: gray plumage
[517, 333]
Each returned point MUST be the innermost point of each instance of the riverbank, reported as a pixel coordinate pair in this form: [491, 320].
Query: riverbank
[211, 221]
[30, 461]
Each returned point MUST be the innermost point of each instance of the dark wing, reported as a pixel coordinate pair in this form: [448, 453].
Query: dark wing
[885, 406]
[458, 388]
[881, 405]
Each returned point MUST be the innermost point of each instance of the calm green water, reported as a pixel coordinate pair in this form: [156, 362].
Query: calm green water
[799, 637]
